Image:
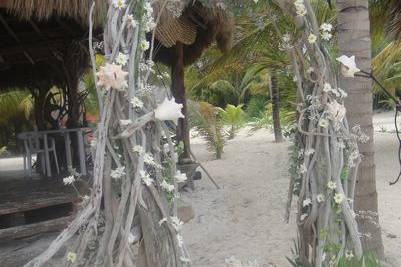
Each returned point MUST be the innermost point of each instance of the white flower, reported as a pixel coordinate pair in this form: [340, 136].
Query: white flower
[185, 259]
[326, 36]
[138, 149]
[326, 27]
[146, 178]
[312, 38]
[131, 21]
[300, 7]
[112, 76]
[309, 152]
[148, 159]
[310, 70]
[331, 185]
[136, 102]
[69, 180]
[306, 202]
[125, 122]
[169, 110]
[343, 94]
[320, 198]
[336, 111]
[144, 45]
[177, 224]
[122, 59]
[71, 257]
[338, 198]
[323, 123]
[286, 38]
[166, 186]
[118, 173]
[131, 238]
[348, 67]
[255, 1]
[150, 25]
[302, 168]
[180, 177]
[162, 221]
[119, 4]
[327, 88]
[180, 240]
[303, 216]
[348, 254]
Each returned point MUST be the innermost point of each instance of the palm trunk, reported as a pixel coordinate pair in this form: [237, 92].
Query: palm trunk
[275, 98]
[354, 39]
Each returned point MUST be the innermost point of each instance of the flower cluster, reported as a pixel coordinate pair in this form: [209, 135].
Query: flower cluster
[69, 180]
[118, 173]
[325, 31]
[300, 7]
[112, 76]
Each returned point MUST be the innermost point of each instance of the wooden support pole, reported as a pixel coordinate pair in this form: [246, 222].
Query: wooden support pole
[178, 91]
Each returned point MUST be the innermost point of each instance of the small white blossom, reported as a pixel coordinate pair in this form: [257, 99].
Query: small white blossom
[118, 173]
[69, 180]
[312, 38]
[300, 8]
[71, 257]
[180, 240]
[327, 88]
[122, 59]
[306, 202]
[146, 179]
[326, 36]
[177, 223]
[331, 185]
[125, 122]
[309, 152]
[343, 94]
[131, 21]
[131, 238]
[303, 216]
[144, 45]
[119, 4]
[302, 168]
[185, 259]
[349, 255]
[310, 70]
[136, 102]
[320, 198]
[326, 27]
[323, 123]
[162, 221]
[166, 186]
[180, 177]
[138, 149]
[338, 198]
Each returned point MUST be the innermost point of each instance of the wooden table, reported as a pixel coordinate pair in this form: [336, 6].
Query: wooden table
[66, 133]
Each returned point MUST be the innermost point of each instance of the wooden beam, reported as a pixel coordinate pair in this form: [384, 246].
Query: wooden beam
[11, 32]
[34, 229]
[3, 3]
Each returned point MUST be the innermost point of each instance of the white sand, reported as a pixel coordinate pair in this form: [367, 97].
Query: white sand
[244, 218]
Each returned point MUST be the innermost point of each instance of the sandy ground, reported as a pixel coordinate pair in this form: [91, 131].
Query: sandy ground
[243, 219]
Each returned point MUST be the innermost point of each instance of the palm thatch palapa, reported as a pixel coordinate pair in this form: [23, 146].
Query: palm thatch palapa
[181, 40]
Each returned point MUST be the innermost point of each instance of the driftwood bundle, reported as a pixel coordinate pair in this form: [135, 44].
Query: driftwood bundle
[127, 220]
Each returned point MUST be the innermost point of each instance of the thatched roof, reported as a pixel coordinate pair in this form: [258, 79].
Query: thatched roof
[46, 9]
[39, 38]
[394, 26]
[197, 28]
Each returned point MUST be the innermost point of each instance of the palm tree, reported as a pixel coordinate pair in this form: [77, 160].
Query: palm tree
[275, 98]
[354, 39]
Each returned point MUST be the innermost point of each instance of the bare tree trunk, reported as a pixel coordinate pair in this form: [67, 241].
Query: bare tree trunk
[275, 98]
[178, 91]
[354, 39]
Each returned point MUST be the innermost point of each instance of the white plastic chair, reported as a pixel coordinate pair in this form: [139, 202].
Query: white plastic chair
[33, 145]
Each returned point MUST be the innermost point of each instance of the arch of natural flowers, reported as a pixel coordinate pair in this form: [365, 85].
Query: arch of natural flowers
[326, 157]
[136, 176]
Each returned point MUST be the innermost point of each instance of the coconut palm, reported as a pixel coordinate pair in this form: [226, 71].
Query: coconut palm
[354, 39]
